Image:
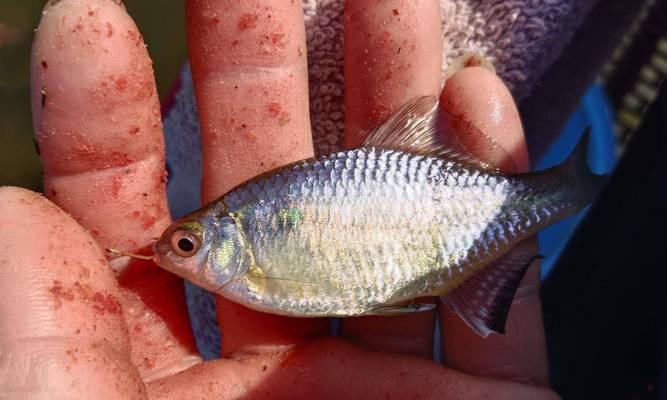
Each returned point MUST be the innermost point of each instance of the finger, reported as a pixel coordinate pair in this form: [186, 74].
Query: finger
[316, 371]
[97, 119]
[250, 73]
[392, 54]
[61, 327]
[97, 122]
[480, 98]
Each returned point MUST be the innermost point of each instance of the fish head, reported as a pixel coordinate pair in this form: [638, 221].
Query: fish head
[205, 248]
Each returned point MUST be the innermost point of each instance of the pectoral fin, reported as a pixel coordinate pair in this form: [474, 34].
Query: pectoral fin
[483, 300]
[401, 310]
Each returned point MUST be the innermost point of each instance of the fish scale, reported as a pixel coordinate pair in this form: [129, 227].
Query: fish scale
[415, 190]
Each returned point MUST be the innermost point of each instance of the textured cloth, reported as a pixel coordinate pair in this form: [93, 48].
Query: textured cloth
[521, 38]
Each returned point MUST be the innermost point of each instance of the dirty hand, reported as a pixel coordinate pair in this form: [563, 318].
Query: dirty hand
[71, 328]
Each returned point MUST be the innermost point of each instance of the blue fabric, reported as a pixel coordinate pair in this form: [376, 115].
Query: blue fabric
[594, 112]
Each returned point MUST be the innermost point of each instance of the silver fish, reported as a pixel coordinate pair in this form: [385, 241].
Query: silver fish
[366, 231]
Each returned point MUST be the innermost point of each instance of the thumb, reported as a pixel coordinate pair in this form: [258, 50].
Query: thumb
[62, 333]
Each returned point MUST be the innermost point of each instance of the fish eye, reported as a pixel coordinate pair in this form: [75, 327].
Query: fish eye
[185, 243]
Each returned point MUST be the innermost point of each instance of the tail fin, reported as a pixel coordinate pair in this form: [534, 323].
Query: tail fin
[546, 197]
[575, 170]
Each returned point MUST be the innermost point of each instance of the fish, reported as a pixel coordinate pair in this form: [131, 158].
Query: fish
[366, 231]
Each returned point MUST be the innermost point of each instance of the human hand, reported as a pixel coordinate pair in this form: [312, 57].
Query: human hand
[73, 329]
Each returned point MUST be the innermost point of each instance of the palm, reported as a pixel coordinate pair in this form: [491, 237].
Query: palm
[97, 124]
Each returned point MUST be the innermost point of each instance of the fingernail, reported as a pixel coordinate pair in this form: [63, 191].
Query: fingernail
[468, 60]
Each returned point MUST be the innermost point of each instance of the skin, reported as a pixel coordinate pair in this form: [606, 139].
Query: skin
[71, 327]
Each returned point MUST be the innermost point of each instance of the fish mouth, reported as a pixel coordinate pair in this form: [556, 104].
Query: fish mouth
[161, 253]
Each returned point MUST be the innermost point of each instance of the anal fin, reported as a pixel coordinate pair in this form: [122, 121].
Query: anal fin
[483, 300]
[401, 310]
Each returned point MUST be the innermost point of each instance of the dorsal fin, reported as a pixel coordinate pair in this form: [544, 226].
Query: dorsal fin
[415, 129]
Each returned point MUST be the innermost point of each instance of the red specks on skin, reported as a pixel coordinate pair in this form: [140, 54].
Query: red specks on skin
[235, 43]
[44, 64]
[148, 221]
[278, 39]
[136, 214]
[386, 39]
[247, 21]
[245, 132]
[54, 193]
[59, 293]
[121, 83]
[116, 185]
[387, 75]
[77, 27]
[134, 130]
[215, 21]
[272, 40]
[395, 12]
[274, 109]
[109, 29]
[135, 37]
[298, 49]
[379, 113]
[91, 13]
[117, 158]
[148, 363]
[70, 353]
[105, 303]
